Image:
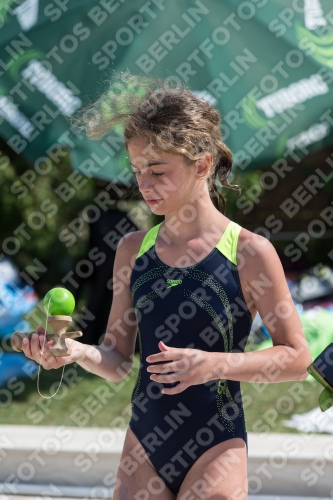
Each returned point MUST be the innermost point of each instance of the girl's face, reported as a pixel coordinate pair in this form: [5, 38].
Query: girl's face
[165, 181]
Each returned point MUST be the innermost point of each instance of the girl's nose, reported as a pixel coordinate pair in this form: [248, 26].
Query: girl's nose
[145, 182]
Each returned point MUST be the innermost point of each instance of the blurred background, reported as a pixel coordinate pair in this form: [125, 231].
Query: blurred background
[66, 201]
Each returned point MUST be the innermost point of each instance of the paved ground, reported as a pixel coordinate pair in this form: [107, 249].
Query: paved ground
[278, 462]
[251, 497]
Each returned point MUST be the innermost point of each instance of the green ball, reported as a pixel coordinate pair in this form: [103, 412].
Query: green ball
[62, 302]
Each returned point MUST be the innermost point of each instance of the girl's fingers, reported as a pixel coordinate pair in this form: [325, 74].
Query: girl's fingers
[44, 346]
[166, 379]
[175, 366]
[35, 347]
[26, 347]
[35, 350]
[38, 350]
[169, 367]
[175, 390]
[48, 360]
[41, 330]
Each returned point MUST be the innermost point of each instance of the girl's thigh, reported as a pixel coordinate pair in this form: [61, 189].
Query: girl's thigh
[136, 477]
[219, 474]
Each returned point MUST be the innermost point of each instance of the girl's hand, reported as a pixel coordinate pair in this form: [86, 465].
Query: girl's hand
[186, 366]
[33, 350]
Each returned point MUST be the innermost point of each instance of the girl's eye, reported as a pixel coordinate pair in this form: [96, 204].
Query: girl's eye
[154, 173]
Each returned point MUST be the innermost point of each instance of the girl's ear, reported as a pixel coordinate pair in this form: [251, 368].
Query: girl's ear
[204, 165]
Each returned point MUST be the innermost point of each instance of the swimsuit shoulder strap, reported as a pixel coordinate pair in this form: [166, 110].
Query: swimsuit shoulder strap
[149, 240]
[228, 242]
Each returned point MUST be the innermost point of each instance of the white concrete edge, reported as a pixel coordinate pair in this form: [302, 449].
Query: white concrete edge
[283, 497]
[15, 438]
[44, 490]
[70, 492]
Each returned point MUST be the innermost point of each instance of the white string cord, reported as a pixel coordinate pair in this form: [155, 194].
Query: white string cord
[42, 351]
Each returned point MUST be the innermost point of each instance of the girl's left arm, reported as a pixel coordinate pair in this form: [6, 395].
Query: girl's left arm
[289, 356]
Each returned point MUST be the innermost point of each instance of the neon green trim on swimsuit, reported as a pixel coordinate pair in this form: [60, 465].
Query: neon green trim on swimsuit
[149, 240]
[227, 244]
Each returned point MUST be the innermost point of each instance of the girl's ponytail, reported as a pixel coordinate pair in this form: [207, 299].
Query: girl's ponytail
[220, 176]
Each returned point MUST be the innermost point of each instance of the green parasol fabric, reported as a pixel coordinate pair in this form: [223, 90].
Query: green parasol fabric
[266, 65]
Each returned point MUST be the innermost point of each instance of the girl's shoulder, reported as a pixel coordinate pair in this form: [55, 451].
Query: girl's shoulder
[131, 242]
[254, 242]
[257, 253]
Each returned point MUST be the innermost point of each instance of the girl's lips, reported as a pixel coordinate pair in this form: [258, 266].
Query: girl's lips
[153, 201]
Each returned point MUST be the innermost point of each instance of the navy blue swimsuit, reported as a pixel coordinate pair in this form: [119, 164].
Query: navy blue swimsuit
[201, 307]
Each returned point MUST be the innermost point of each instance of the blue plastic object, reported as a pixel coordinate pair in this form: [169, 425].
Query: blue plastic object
[16, 299]
[15, 366]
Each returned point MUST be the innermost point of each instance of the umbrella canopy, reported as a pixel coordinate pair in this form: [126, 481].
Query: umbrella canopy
[266, 65]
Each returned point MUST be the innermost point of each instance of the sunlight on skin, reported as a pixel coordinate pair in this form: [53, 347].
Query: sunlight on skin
[176, 184]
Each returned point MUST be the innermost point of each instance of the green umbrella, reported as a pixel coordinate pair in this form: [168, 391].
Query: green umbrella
[267, 66]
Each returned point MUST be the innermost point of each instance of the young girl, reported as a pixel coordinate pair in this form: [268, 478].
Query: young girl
[189, 288]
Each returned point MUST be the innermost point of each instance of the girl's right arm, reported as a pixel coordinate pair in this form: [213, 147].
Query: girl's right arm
[112, 359]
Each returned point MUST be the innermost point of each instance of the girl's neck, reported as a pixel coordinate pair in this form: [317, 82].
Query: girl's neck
[193, 223]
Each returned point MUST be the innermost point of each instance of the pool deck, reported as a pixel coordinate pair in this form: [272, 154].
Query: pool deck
[78, 462]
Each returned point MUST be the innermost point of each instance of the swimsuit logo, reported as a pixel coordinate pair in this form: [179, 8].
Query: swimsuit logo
[174, 283]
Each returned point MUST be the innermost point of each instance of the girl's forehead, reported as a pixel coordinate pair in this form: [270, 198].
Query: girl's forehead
[141, 144]
[145, 150]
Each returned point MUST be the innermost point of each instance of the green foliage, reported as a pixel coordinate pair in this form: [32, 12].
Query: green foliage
[33, 215]
[26, 407]
[266, 407]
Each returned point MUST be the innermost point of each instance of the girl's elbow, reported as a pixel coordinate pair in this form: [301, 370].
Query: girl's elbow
[303, 374]
[304, 368]
[305, 360]
[123, 370]
[115, 377]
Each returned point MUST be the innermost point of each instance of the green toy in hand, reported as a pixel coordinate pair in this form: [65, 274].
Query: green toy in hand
[59, 303]
[62, 302]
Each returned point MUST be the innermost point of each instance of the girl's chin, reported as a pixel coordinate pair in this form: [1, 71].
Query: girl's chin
[158, 210]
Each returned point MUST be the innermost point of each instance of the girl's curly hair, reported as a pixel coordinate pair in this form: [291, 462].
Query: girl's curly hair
[169, 116]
